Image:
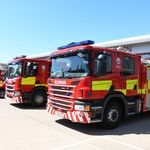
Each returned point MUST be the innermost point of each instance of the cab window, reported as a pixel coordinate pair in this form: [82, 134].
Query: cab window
[128, 66]
[31, 69]
[102, 64]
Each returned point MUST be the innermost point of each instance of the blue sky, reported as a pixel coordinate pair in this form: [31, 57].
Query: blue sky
[37, 26]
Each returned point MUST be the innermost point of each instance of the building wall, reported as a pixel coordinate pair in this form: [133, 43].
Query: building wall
[140, 48]
[135, 48]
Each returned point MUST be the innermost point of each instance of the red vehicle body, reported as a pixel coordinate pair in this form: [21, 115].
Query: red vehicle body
[2, 85]
[94, 84]
[27, 80]
[3, 70]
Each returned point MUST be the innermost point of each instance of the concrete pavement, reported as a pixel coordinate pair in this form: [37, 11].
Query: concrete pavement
[25, 128]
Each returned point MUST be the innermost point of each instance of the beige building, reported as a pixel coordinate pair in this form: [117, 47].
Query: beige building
[139, 44]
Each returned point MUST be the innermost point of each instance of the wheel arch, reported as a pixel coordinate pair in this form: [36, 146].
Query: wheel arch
[120, 98]
[38, 88]
[34, 92]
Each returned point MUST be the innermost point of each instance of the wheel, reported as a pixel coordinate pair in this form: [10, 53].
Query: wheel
[112, 115]
[2, 93]
[39, 98]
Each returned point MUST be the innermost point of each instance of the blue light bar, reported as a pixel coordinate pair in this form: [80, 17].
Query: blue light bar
[87, 42]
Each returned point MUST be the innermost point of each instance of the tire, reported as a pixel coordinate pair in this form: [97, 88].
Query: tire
[39, 98]
[112, 115]
[2, 93]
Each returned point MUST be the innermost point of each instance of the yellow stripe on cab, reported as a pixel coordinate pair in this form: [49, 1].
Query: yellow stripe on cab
[28, 81]
[101, 85]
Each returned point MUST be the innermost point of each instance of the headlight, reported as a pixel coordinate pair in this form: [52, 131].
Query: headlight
[17, 93]
[82, 107]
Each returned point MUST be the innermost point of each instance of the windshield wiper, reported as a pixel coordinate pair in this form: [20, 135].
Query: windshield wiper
[68, 76]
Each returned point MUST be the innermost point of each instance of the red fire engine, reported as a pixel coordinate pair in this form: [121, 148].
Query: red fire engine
[27, 80]
[3, 70]
[90, 84]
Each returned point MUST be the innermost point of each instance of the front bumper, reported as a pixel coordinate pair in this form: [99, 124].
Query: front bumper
[14, 99]
[74, 116]
[22, 98]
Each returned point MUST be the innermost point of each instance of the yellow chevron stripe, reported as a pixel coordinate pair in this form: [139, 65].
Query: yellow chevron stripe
[131, 83]
[41, 85]
[101, 85]
[28, 81]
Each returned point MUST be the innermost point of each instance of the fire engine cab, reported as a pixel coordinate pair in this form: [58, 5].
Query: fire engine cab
[27, 80]
[90, 84]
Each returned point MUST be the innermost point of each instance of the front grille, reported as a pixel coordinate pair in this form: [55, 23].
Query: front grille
[61, 97]
[62, 104]
[57, 105]
[62, 93]
[9, 89]
[62, 88]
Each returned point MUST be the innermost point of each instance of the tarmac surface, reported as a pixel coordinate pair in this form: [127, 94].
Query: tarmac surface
[25, 128]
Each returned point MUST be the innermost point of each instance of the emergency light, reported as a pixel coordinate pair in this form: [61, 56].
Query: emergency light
[87, 42]
[22, 56]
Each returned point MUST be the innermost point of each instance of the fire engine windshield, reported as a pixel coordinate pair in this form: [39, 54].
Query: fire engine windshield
[14, 69]
[145, 56]
[73, 66]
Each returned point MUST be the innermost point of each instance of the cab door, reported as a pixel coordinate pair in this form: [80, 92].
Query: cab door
[102, 80]
[30, 76]
[129, 75]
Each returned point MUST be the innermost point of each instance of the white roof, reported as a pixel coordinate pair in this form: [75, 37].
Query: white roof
[126, 41]
[119, 42]
[41, 55]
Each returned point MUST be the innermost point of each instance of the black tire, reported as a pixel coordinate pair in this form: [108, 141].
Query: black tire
[112, 115]
[39, 98]
[2, 93]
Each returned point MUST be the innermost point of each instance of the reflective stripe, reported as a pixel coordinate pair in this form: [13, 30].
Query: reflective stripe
[124, 91]
[131, 83]
[40, 84]
[101, 85]
[1, 83]
[139, 91]
[28, 81]
[148, 84]
[144, 91]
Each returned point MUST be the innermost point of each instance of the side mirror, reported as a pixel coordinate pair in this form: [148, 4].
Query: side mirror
[102, 56]
[101, 68]
[98, 68]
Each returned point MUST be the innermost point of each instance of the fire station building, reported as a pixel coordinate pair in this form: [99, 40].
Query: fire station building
[139, 44]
